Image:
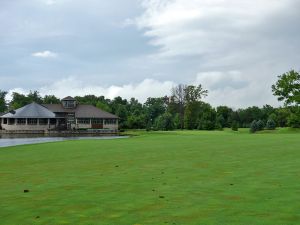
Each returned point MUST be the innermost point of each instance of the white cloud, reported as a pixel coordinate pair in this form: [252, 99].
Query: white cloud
[141, 91]
[236, 47]
[195, 27]
[45, 54]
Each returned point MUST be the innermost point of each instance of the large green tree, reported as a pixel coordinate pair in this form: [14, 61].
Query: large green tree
[3, 106]
[287, 88]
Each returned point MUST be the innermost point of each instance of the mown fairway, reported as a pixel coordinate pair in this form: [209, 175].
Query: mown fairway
[156, 178]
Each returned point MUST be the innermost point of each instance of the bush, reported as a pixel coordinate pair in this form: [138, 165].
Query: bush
[218, 126]
[260, 125]
[235, 126]
[165, 122]
[271, 125]
[253, 126]
[294, 120]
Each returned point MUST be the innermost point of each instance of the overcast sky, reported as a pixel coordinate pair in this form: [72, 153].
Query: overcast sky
[135, 48]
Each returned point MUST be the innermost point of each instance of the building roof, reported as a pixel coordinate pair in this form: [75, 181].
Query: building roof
[81, 111]
[69, 98]
[32, 110]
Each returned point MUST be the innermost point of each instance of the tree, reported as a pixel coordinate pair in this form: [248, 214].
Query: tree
[260, 125]
[3, 106]
[253, 126]
[51, 99]
[207, 117]
[34, 96]
[287, 88]
[154, 108]
[194, 93]
[18, 100]
[178, 97]
[235, 126]
[294, 120]
[165, 122]
[225, 113]
[271, 125]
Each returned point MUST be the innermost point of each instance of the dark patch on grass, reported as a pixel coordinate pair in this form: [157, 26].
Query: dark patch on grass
[153, 190]
[161, 196]
[231, 184]
[37, 217]
[117, 166]
[26, 191]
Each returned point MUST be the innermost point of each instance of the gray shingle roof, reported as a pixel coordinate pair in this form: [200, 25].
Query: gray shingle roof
[81, 111]
[69, 98]
[32, 110]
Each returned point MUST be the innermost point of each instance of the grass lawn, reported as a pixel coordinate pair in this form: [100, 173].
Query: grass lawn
[180, 177]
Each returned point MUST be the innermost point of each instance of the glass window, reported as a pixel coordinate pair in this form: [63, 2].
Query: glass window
[52, 121]
[11, 121]
[97, 121]
[43, 121]
[32, 121]
[5, 121]
[21, 121]
[110, 121]
[83, 121]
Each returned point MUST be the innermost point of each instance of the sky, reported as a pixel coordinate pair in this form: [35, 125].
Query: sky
[142, 48]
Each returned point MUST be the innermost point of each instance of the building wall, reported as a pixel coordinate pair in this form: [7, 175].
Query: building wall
[89, 126]
[26, 127]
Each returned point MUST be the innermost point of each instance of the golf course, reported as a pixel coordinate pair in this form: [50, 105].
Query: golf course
[176, 177]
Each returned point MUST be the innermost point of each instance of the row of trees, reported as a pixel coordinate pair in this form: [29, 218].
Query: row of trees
[185, 108]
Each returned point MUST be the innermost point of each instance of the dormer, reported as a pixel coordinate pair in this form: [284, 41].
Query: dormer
[68, 102]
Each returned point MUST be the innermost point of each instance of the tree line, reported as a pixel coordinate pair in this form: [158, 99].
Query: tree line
[185, 108]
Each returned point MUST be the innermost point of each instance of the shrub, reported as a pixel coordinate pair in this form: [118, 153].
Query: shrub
[253, 126]
[165, 122]
[271, 125]
[218, 126]
[235, 126]
[260, 125]
[294, 120]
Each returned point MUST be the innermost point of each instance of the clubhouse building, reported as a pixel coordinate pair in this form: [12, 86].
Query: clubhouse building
[60, 117]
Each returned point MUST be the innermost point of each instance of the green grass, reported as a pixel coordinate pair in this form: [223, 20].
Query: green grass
[181, 177]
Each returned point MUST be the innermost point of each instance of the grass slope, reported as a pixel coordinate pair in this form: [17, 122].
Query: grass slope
[156, 178]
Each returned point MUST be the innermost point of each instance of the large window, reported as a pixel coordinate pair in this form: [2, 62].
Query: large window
[83, 121]
[32, 121]
[97, 121]
[69, 104]
[110, 121]
[43, 121]
[11, 121]
[52, 121]
[21, 121]
[5, 121]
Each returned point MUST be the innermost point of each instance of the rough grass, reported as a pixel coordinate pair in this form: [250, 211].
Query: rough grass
[176, 177]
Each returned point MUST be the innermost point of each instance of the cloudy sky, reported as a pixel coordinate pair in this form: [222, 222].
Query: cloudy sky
[140, 48]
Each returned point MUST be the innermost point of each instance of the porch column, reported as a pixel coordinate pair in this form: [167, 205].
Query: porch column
[90, 123]
[26, 123]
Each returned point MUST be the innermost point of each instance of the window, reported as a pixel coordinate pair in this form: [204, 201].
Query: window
[32, 121]
[5, 121]
[21, 121]
[110, 121]
[11, 121]
[52, 121]
[97, 121]
[83, 121]
[69, 104]
[43, 121]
